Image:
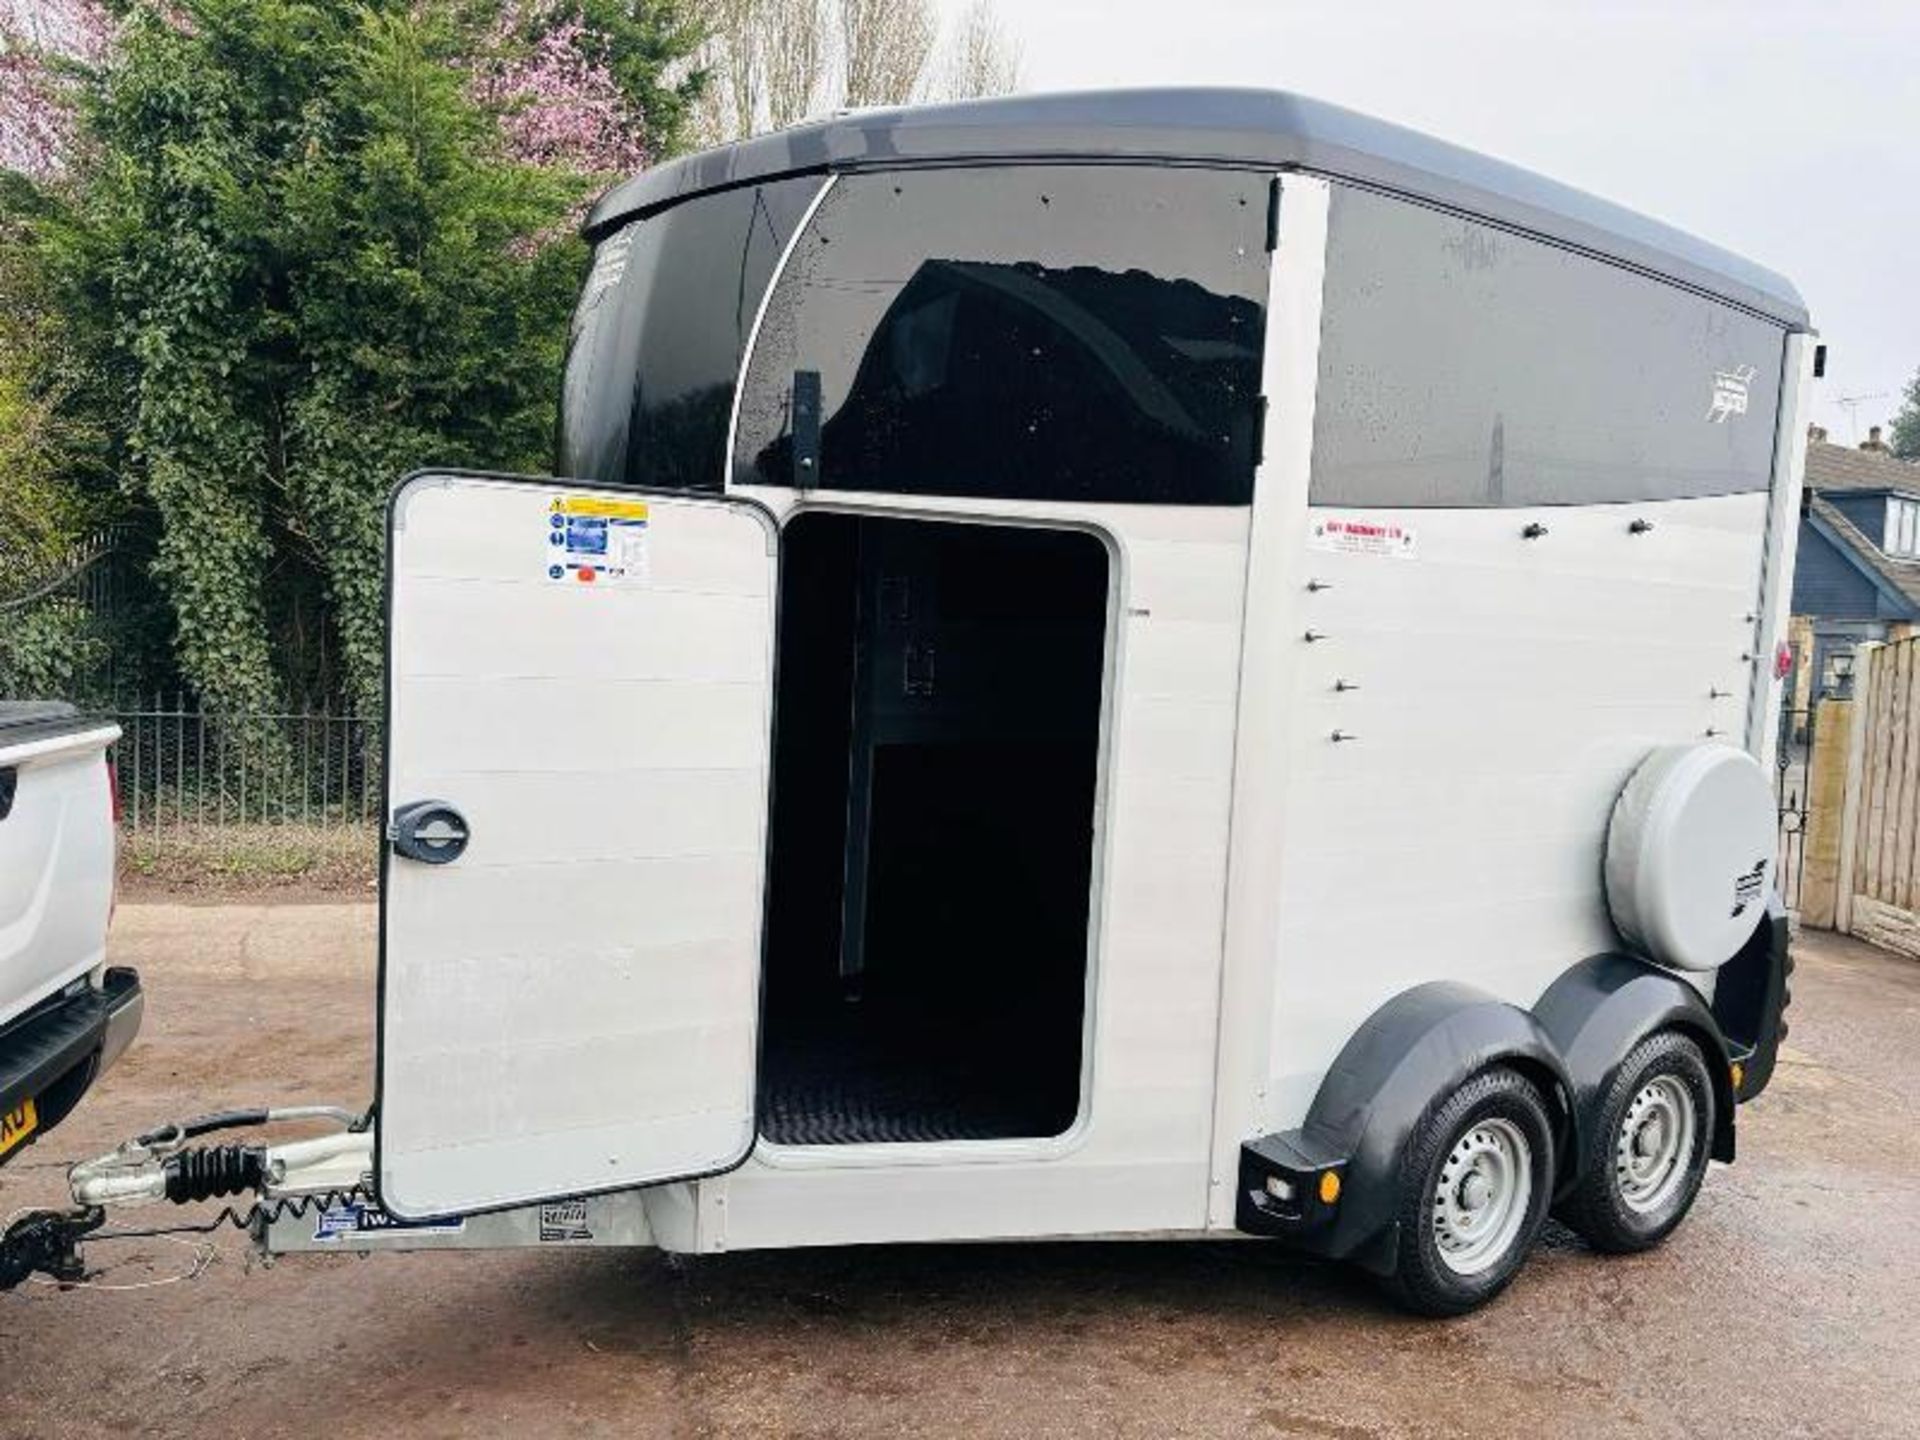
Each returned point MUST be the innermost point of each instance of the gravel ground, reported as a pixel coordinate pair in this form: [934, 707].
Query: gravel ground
[1784, 1306]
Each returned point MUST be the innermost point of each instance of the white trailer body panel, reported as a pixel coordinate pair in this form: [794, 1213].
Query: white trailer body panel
[1783, 542]
[1460, 831]
[572, 1007]
[1136, 1160]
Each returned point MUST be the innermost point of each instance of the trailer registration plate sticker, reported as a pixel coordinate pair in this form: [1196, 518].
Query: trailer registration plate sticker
[17, 1124]
[1356, 535]
[595, 540]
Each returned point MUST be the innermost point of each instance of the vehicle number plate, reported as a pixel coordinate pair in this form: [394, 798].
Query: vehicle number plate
[17, 1124]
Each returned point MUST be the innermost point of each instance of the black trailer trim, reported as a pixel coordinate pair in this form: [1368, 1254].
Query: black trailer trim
[1750, 1000]
[1234, 128]
[1410, 1053]
[1598, 1011]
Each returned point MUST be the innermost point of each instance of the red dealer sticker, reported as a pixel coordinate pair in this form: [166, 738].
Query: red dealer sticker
[1349, 535]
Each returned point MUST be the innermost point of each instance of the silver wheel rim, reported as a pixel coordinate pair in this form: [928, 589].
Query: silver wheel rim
[1654, 1149]
[1481, 1200]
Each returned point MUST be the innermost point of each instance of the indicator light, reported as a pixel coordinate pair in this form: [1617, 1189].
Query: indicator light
[1329, 1186]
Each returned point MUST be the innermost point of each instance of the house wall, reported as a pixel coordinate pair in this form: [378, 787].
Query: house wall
[1869, 512]
[1827, 584]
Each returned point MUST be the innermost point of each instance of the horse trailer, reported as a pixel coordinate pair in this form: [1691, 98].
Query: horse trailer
[1165, 664]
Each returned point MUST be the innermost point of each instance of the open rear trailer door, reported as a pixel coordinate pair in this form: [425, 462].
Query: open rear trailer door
[579, 708]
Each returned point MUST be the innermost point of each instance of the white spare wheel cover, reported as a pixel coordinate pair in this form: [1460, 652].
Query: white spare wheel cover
[1690, 854]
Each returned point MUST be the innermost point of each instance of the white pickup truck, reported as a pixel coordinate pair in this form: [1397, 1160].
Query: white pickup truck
[64, 1015]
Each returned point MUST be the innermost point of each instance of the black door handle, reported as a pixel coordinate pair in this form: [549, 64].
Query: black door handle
[430, 831]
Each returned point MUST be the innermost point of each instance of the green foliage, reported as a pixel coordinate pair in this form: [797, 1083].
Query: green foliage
[294, 261]
[45, 647]
[50, 495]
[1905, 438]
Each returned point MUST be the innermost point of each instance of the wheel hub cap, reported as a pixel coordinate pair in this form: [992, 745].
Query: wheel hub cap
[1654, 1148]
[1481, 1200]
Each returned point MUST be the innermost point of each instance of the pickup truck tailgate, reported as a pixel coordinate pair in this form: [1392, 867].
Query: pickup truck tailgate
[56, 851]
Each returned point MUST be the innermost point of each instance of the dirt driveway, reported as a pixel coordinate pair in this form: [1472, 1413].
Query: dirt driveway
[1785, 1305]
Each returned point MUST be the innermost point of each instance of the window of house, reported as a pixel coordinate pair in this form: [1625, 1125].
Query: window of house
[1088, 333]
[1465, 365]
[1903, 528]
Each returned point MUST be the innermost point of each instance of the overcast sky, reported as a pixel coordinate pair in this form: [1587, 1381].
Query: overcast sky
[1789, 132]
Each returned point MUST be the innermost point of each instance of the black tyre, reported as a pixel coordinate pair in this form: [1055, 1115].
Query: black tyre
[1645, 1161]
[1475, 1184]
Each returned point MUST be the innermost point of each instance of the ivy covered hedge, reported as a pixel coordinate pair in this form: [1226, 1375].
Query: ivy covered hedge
[293, 252]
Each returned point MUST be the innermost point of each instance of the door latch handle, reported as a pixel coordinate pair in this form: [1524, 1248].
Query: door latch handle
[430, 831]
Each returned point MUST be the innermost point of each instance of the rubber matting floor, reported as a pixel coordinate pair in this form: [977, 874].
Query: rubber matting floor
[859, 1079]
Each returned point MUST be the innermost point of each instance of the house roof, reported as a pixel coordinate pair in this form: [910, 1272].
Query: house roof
[1840, 467]
[1900, 578]
[1259, 129]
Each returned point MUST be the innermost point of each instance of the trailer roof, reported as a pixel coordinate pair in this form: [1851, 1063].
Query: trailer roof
[1255, 128]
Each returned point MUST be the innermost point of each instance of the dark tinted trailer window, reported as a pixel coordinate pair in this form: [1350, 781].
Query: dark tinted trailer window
[1464, 365]
[1077, 333]
[660, 331]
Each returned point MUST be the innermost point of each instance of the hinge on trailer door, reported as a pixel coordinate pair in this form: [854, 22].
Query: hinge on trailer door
[806, 429]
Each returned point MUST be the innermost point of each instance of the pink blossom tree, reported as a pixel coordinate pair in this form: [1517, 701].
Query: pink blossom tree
[41, 44]
[540, 68]
[559, 103]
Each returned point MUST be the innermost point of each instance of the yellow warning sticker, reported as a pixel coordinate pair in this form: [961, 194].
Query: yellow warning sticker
[600, 507]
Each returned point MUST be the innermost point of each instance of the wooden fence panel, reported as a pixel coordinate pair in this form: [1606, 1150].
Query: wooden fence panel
[1900, 892]
[1884, 833]
[1873, 788]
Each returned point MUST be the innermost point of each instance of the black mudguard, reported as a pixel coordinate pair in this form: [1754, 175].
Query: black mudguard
[1750, 999]
[1600, 1009]
[1410, 1054]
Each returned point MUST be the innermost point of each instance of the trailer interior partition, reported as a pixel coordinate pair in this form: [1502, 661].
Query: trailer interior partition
[938, 730]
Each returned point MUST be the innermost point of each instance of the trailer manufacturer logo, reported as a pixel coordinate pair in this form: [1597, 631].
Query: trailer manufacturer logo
[340, 1222]
[1730, 393]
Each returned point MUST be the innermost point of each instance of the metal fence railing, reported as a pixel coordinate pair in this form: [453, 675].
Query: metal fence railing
[178, 766]
[1793, 798]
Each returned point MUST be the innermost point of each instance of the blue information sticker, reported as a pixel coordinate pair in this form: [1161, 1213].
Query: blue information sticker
[586, 535]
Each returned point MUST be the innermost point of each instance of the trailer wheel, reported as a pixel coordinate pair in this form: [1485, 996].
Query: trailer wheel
[1475, 1183]
[1647, 1157]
